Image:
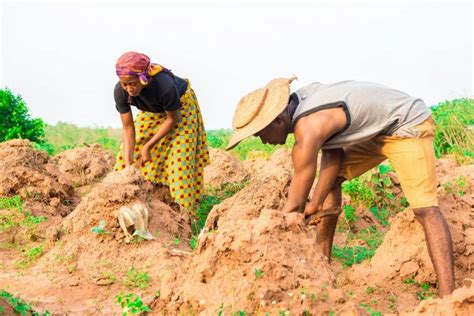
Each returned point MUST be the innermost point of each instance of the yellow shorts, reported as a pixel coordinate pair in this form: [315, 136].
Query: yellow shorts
[412, 158]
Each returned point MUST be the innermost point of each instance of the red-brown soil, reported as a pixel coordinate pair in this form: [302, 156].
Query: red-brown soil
[250, 256]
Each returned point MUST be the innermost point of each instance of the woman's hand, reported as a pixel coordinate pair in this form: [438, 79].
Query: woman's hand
[143, 156]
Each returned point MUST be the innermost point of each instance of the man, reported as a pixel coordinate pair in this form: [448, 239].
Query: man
[357, 125]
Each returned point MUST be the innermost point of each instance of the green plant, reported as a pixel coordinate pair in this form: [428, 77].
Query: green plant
[454, 134]
[359, 192]
[392, 299]
[369, 309]
[16, 122]
[19, 306]
[100, 228]
[251, 146]
[369, 290]
[350, 214]
[214, 196]
[258, 273]
[193, 242]
[349, 255]
[131, 304]
[424, 290]
[135, 278]
[176, 241]
[19, 217]
[30, 256]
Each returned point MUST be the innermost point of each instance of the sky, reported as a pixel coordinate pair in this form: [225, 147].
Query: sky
[60, 55]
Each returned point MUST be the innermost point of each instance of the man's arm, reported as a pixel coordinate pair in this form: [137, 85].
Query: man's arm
[310, 134]
[330, 166]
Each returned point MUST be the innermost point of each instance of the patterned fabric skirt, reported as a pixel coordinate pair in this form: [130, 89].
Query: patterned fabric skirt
[179, 158]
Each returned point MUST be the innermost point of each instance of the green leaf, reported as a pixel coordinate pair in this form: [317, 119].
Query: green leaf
[383, 169]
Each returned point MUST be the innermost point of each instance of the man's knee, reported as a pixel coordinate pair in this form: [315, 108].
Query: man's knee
[424, 212]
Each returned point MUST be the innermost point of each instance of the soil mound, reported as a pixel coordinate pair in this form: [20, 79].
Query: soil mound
[25, 171]
[90, 246]
[280, 158]
[126, 188]
[253, 258]
[404, 254]
[224, 168]
[460, 303]
[84, 165]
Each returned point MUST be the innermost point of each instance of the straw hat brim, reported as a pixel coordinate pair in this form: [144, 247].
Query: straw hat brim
[275, 101]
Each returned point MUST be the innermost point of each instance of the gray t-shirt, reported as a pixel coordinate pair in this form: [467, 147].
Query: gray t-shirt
[371, 109]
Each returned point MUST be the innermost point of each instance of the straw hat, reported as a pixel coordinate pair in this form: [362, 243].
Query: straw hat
[259, 108]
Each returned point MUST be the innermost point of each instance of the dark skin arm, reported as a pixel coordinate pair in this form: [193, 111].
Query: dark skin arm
[129, 136]
[310, 134]
[330, 166]
[167, 126]
[128, 128]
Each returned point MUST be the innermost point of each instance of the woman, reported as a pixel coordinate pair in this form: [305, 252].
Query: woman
[166, 141]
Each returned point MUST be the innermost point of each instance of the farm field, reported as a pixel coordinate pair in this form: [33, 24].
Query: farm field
[62, 250]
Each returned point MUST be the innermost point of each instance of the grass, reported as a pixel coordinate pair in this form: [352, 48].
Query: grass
[349, 255]
[137, 279]
[258, 273]
[131, 304]
[19, 217]
[454, 129]
[19, 305]
[212, 197]
[29, 257]
[424, 290]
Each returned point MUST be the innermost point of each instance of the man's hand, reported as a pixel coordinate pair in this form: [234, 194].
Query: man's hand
[311, 208]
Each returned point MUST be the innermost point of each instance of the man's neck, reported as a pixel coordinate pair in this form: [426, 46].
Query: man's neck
[291, 108]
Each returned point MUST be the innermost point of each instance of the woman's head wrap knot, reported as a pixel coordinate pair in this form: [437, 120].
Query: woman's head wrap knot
[133, 64]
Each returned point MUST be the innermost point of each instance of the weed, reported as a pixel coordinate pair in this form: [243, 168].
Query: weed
[30, 256]
[323, 296]
[19, 217]
[350, 214]
[214, 196]
[453, 135]
[369, 309]
[459, 186]
[392, 302]
[349, 255]
[176, 241]
[19, 305]
[424, 290]
[137, 239]
[258, 273]
[369, 290]
[135, 278]
[100, 228]
[131, 304]
[359, 192]
[193, 242]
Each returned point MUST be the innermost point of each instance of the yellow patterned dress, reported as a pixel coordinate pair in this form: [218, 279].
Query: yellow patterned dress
[179, 158]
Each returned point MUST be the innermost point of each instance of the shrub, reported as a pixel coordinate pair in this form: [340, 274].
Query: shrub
[15, 121]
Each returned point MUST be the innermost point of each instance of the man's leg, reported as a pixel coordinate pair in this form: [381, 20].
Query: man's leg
[327, 226]
[414, 162]
[438, 240]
